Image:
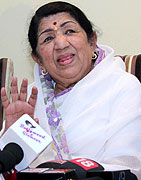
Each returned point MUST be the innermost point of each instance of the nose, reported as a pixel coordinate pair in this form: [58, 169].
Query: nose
[61, 42]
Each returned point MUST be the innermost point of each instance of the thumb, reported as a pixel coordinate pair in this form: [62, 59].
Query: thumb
[36, 120]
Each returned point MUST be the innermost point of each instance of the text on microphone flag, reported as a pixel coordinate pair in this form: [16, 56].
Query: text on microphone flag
[85, 163]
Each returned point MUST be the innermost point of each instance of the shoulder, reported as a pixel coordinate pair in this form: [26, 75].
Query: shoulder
[118, 73]
[127, 83]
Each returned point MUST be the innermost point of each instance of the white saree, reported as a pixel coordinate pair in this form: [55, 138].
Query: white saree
[101, 116]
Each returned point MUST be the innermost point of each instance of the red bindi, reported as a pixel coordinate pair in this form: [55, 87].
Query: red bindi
[54, 23]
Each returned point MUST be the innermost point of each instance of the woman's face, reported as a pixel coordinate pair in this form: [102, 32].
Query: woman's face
[64, 49]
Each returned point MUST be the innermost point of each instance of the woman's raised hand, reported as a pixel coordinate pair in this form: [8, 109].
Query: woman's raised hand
[19, 104]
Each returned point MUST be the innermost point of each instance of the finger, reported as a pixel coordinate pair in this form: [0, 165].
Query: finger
[36, 120]
[14, 90]
[23, 90]
[33, 97]
[4, 98]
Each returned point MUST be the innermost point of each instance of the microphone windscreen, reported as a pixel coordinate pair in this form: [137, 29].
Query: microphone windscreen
[80, 172]
[15, 150]
[55, 164]
[11, 155]
[7, 161]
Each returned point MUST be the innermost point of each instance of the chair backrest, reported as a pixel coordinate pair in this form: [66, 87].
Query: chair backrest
[133, 64]
[6, 74]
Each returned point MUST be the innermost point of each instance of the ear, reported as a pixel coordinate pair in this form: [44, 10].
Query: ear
[93, 41]
[35, 58]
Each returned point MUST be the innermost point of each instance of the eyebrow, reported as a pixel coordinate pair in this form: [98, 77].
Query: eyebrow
[45, 31]
[66, 23]
[49, 30]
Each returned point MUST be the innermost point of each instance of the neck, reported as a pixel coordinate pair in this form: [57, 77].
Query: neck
[59, 88]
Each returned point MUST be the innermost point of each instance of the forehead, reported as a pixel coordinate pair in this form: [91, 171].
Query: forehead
[59, 18]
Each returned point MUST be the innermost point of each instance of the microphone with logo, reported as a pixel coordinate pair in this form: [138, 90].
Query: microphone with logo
[86, 169]
[11, 155]
[82, 166]
[29, 136]
[74, 169]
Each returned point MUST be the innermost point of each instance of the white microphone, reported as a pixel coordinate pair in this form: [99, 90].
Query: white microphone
[29, 136]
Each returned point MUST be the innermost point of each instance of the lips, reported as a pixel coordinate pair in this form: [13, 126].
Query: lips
[65, 59]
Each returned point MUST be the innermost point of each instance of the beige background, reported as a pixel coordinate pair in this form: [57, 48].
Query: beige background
[119, 21]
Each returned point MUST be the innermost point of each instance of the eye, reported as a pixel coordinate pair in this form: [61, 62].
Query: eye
[48, 39]
[70, 31]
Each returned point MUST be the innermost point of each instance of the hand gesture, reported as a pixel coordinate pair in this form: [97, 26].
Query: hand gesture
[19, 104]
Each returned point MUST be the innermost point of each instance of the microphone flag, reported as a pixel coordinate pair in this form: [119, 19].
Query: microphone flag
[29, 136]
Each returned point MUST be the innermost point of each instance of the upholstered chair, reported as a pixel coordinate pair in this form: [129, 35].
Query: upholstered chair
[6, 73]
[133, 64]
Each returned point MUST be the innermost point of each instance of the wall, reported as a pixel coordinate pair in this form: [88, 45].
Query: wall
[118, 21]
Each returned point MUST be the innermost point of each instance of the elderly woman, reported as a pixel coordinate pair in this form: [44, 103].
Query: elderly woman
[82, 95]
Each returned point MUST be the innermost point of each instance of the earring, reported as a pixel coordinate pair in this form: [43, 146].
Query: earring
[43, 72]
[94, 56]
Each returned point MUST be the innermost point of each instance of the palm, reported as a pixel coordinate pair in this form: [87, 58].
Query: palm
[19, 105]
[15, 110]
